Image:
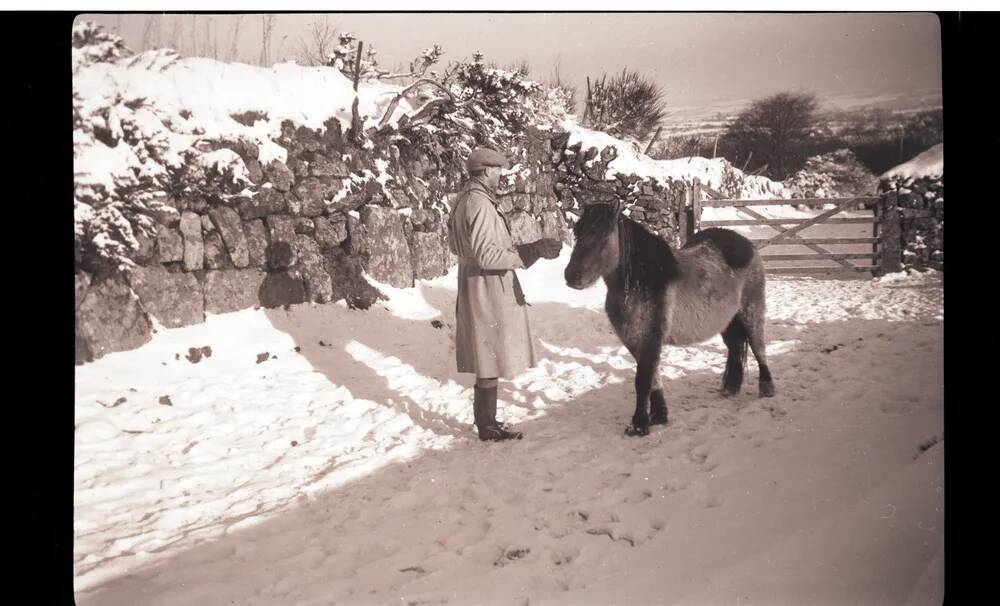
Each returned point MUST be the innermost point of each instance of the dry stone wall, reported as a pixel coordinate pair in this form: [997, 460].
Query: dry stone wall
[916, 205]
[528, 197]
[303, 229]
[583, 178]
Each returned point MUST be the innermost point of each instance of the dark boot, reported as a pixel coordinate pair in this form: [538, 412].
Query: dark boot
[491, 401]
[484, 409]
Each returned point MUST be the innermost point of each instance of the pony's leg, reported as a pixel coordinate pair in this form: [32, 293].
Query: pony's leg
[753, 315]
[647, 367]
[657, 403]
[756, 339]
[735, 338]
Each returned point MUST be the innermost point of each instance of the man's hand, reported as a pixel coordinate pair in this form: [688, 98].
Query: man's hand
[546, 247]
[549, 247]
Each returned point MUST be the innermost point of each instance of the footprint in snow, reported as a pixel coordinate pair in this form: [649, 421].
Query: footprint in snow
[639, 497]
[510, 555]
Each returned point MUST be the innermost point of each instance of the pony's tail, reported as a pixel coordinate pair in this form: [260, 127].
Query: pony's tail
[736, 339]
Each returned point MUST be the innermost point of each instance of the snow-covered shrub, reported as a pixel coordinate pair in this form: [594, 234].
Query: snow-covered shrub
[91, 44]
[733, 181]
[833, 175]
[125, 158]
[430, 56]
[502, 101]
[552, 104]
[344, 58]
[473, 104]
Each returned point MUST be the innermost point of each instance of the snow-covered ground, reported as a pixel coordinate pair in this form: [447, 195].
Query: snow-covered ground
[343, 468]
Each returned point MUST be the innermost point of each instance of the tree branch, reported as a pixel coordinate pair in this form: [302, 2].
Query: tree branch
[395, 100]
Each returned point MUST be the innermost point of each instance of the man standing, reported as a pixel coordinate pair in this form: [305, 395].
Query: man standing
[493, 339]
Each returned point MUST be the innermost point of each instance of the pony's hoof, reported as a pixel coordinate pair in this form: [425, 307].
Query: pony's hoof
[633, 431]
[767, 389]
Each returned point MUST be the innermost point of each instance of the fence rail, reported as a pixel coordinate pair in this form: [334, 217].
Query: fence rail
[815, 256]
[809, 220]
[723, 203]
[872, 240]
[789, 230]
[821, 270]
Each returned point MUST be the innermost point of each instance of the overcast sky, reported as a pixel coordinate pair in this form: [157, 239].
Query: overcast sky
[697, 58]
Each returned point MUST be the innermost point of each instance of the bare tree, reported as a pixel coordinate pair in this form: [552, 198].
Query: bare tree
[556, 81]
[158, 32]
[231, 56]
[216, 53]
[266, 31]
[279, 55]
[194, 35]
[147, 33]
[773, 132]
[211, 40]
[175, 34]
[151, 32]
[318, 43]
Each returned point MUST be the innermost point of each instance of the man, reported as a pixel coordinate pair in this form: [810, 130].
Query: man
[493, 339]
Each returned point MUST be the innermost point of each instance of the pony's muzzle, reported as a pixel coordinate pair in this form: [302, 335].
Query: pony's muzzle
[573, 278]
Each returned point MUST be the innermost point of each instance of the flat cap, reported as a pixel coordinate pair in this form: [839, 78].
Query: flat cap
[482, 157]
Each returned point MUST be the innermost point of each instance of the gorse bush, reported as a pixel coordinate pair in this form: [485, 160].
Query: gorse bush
[628, 105]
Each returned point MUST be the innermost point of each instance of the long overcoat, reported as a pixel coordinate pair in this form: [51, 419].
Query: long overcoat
[493, 338]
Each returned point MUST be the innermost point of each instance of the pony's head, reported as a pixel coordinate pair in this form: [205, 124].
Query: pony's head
[596, 251]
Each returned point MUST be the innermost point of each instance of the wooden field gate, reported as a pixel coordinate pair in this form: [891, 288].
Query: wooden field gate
[842, 264]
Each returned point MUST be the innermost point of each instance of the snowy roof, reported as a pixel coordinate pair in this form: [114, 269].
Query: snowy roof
[927, 164]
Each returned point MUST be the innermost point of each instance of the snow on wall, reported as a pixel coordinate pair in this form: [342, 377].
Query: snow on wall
[180, 102]
[711, 172]
[927, 164]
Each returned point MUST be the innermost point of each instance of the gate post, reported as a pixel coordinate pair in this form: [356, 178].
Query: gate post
[889, 237]
[684, 220]
[692, 206]
[682, 224]
[696, 206]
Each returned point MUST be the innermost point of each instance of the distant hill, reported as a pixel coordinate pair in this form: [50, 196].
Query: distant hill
[711, 118]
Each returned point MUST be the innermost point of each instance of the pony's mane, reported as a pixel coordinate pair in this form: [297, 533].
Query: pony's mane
[645, 260]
